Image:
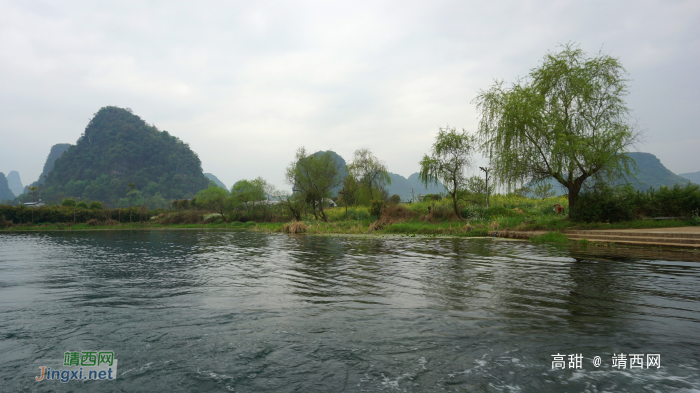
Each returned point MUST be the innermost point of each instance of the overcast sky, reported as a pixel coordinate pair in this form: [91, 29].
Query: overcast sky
[247, 83]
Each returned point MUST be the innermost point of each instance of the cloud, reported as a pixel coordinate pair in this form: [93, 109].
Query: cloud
[245, 84]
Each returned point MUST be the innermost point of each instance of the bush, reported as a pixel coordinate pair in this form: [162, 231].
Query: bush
[431, 197]
[94, 205]
[295, 227]
[500, 211]
[183, 217]
[4, 223]
[604, 204]
[93, 222]
[395, 199]
[474, 212]
[375, 207]
[68, 202]
[82, 205]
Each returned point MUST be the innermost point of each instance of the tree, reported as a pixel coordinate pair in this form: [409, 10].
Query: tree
[369, 171]
[348, 192]
[567, 120]
[313, 177]
[294, 202]
[250, 192]
[477, 185]
[544, 190]
[214, 198]
[450, 156]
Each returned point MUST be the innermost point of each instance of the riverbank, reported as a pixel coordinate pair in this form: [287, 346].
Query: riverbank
[559, 229]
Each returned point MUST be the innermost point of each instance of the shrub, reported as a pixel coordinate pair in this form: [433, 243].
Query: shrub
[604, 204]
[395, 199]
[431, 197]
[5, 223]
[93, 222]
[295, 227]
[183, 217]
[397, 211]
[82, 205]
[474, 212]
[94, 205]
[375, 207]
[500, 211]
[68, 202]
[111, 222]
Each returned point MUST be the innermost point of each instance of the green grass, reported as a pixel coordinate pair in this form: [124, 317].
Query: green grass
[550, 237]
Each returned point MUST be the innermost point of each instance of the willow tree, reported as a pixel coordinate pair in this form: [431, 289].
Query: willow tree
[314, 177]
[566, 120]
[450, 155]
[369, 171]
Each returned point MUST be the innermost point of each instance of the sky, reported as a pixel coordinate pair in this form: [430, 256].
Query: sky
[247, 83]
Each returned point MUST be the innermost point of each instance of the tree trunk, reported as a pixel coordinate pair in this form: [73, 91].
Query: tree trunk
[573, 197]
[320, 208]
[454, 205]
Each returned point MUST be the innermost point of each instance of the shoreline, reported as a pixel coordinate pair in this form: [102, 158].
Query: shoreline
[424, 230]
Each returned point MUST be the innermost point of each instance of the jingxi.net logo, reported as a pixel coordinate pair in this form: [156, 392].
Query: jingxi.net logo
[82, 366]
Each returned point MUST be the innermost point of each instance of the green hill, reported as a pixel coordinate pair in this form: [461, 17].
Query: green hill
[650, 173]
[402, 187]
[216, 180]
[119, 148]
[57, 150]
[5, 192]
[693, 176]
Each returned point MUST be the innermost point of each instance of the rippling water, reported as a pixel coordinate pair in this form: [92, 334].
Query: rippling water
[198, 310]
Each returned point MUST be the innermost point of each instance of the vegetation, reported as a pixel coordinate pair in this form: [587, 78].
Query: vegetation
[567, 120]
[314, 178]
[119, 148]
[450, 155]
[370, 174]
[607, 204]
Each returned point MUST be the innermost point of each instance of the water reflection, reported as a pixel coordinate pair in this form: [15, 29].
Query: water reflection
[220, 310]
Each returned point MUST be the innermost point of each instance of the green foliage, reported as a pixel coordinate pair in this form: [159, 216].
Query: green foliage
[348, 193]
[567, 120]
[375, 207]
[550, 237]
[544, 191]
[82, 205]
[118, 148]
[213, 198]
[501, 211]
[449, 156]
[607, 204]
[474, 212]
[68, 202]
[247, 194]
[314, 178]
[94, 205]
[477, 185]
[395, 199]
[369, 172]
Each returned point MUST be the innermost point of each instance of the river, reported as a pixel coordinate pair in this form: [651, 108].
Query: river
[203, 310]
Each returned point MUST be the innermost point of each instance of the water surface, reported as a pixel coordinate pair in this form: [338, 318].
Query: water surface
[198, 310]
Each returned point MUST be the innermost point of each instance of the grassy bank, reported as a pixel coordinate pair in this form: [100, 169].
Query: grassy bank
[431, 218]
